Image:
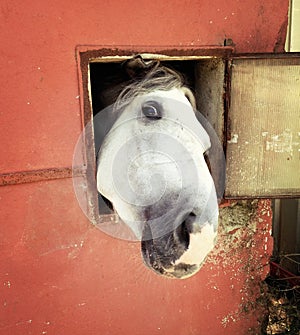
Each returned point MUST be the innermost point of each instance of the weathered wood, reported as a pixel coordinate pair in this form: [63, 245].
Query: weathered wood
[263, 148]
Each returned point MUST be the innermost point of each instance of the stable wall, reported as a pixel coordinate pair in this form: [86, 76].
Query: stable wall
[61, 275]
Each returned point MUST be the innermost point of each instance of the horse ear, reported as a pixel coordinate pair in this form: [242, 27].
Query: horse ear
[190, 96]
[137, 67]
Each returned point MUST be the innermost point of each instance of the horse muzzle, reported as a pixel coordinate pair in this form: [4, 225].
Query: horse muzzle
[181, 252]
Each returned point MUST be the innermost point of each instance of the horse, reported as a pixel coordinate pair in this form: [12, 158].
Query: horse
[152, 171]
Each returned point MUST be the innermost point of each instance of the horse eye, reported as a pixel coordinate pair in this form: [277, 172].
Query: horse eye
[151, 110]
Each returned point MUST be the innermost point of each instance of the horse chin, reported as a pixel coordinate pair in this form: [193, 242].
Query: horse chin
[180, 253]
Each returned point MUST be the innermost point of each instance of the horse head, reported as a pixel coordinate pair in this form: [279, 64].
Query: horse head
[151, 168]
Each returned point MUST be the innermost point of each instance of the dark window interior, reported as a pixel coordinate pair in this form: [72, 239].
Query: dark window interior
[107, 79]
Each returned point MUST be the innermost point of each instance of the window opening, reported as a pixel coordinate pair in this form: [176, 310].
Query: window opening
[204, 76]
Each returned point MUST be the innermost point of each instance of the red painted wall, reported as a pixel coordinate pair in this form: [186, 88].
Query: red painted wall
[59, 274]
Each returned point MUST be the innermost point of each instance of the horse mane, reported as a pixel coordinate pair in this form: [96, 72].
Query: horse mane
[159, 78]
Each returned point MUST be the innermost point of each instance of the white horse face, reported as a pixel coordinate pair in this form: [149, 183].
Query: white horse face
[152, 169]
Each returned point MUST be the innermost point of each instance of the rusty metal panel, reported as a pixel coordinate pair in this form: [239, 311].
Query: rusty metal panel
[56, 267]
[60, 275]
[263, 147]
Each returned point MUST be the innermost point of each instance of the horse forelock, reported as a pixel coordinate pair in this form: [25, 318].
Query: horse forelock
[158, 79]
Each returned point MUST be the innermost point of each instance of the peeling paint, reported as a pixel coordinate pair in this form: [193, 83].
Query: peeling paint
[282, 142]
[234, 138]
[7, 284]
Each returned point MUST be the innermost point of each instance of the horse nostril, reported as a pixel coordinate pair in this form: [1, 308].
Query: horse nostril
[183, 235]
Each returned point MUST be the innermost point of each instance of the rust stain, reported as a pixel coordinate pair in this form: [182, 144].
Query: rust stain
[226, 99]
[87, 53]
[281, 36]
[22, 177]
